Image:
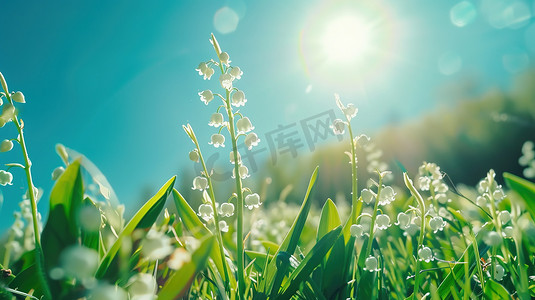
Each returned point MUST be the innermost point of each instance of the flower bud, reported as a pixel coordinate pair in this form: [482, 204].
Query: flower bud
[194, 155]
[6, 145]
[57, 172]
[224, 58]
[18, 97]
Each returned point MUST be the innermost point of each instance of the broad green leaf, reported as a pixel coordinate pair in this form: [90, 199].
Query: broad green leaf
[494, 290]
[525, 188]
[274, 275]
[309, 263]
[33, 278]
[193, 224]
[259, 259]
[144, 218]
[178, 284]
[62, 228]
[90, 239]
[329, 219]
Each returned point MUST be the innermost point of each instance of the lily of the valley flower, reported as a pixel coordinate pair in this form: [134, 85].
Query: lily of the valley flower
[232, 157]
[216, 120]
[226, 81]
[226, 209]
[367, 196]
[372, 264]
[238, 98]
[57, 172]
[387, 195]
[205, 70]
[244, 125]
[251, 140]
[217, 140]
[356, 230]
[206, 96]
[493, 239]
[236, 72]
[141, 284]
[206, 212]
[382, 222]
[156, 245]
[404, 220]
[5, 178]
[200, 183]
[338, 127]
[223, 226]
[425, 254]
[224, 58]
[436, 224]
[252, 201]
[18, 97]
[243, 170]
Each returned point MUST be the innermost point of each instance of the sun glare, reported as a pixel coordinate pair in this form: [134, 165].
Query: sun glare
[347, 38]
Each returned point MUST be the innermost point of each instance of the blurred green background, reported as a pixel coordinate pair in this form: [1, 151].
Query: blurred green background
[448, 82]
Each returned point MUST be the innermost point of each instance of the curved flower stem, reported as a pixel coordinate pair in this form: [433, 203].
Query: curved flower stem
[239, 208]
[33, 201]
[216, 217]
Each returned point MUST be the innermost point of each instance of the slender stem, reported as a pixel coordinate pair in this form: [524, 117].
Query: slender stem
[354, 182]
[239, 209]
[374, 217]
[216, 216]
[420, 244]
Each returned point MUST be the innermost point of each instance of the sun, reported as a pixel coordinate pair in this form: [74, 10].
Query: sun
[347, 39]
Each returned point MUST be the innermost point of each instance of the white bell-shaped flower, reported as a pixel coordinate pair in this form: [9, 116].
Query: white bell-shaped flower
[507, 232]
[243, 170]
[244, 125]
[504, 217]
[206, 212]
[382, 222]
[200, 183]
[5, 178]
[362, 140]
[236, 72]
[217, 140]
[224, 58]
[252, 201]
[356, 230]
[232, 157]
[226, 81]
[350, 111]
[367, 196]
[206, 96]
[223, 226]
[205, 70]
[226, 209]
[371, 264]
[338, 127]
[216, 120]
[6, 145]
[425, 254]
[238, 98]
[404, 221]
[436, 224]
[387, 195]
[251, 140]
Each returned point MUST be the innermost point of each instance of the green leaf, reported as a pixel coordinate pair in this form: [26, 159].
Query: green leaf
[144, 218]
[259, 259]
[309, 263]
[525, 188]
[178, 284]
[329, 219]
[494, 290]
[193, 224]
[33, 277]
[274, 275]
[62, 228]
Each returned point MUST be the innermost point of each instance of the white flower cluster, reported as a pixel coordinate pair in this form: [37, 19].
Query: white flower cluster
[430, 178]
[528, 159]
[489, 190]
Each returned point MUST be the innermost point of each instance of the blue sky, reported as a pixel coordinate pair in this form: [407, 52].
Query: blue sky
[115, 80]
